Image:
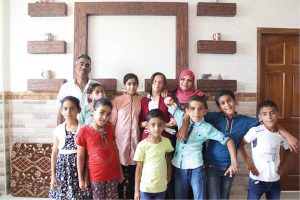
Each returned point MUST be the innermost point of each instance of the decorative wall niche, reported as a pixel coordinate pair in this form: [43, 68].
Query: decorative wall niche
[85, 9]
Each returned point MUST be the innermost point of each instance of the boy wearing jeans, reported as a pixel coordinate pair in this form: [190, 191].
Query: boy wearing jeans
[187, 160]
[265, 142]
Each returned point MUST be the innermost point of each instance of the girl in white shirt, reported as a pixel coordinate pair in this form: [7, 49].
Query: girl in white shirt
[64, 177]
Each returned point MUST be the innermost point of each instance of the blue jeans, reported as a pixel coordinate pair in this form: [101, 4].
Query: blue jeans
[185, 178]
[258, 188]
[218, 185]
[147, 195]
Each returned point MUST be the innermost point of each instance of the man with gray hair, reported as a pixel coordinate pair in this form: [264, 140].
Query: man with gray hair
[78, 86]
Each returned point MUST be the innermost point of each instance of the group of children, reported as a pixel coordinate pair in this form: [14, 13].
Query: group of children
[104, 148]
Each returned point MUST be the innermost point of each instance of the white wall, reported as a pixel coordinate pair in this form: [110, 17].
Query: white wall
[3, 42]
[149, 48]
[241, 28]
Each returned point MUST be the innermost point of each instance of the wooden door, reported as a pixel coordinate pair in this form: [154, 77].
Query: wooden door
[278, 79]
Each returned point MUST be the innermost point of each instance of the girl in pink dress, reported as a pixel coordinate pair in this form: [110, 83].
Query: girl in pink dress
[125, 118]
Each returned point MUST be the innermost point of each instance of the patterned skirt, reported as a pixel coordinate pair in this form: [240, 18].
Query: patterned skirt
[67, 179]
[105, 189]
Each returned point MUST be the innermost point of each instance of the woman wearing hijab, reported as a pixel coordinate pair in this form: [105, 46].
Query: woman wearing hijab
[186, 88]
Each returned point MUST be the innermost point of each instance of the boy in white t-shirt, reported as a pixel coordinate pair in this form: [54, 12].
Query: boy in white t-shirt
[265, 142]
[153, 170]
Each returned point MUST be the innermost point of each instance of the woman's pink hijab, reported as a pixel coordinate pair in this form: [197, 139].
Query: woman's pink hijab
[183, 96]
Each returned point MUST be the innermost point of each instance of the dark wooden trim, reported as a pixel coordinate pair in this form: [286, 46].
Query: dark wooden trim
[46, 47]
[180, 10]
[262, 30]
[258, 78]
[44, 84]
[216, 85]
[216, 47]
[109, 84]
[170, 86]
[216, 9]
[47, 9]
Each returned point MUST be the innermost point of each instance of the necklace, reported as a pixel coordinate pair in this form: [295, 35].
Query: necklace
[102, 133]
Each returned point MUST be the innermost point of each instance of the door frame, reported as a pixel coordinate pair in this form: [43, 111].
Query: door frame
[261, 32]
[265, 31]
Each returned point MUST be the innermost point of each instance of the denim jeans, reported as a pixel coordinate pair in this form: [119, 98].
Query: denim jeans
[218, 185]
[185, 178]
[258, 188]
[148, 195]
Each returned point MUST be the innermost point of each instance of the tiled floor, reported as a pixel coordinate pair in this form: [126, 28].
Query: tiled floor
[16, 198]
[284, 196]
[290, 195]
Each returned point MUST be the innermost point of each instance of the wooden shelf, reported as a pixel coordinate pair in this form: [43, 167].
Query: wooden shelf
[216, 9]
[47, 9]
[216, 47]
[110, 84]
[44, 84]
[46, 47]
[216, 85]
[171, 85]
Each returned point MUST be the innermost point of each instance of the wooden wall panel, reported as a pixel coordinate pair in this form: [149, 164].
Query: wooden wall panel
[110, 84]
[277, 93]
[295, 96]
[275, 54]
[296, 53]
